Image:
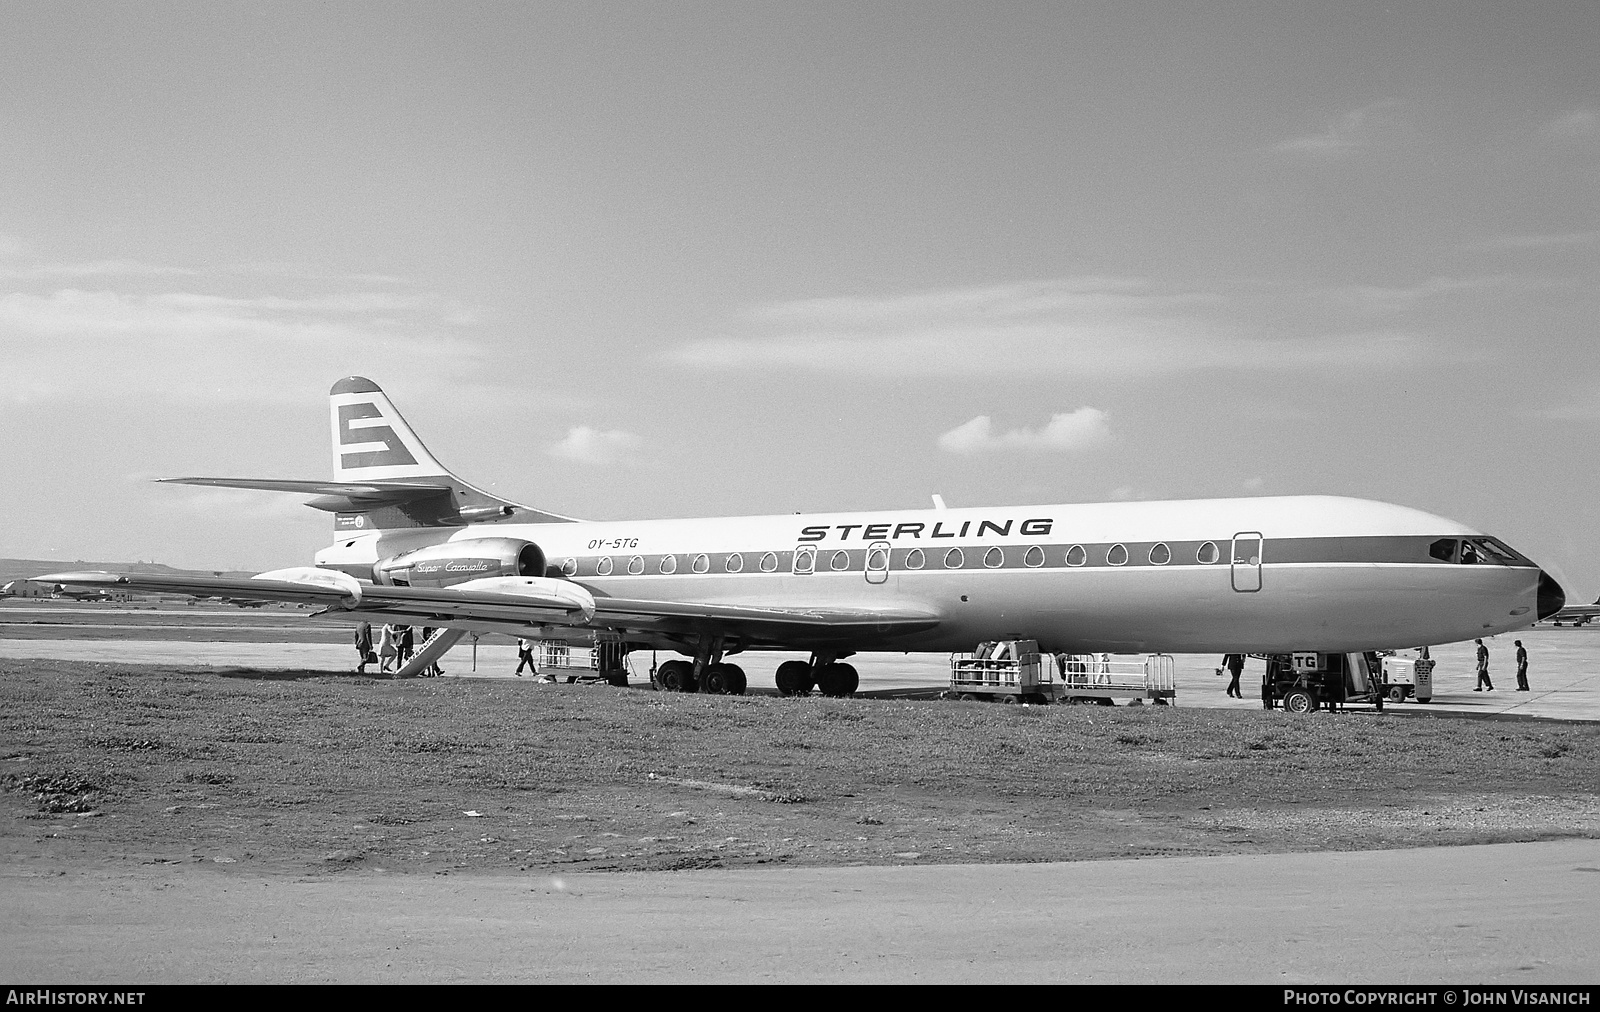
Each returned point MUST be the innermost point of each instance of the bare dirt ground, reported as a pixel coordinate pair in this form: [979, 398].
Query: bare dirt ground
[107, 766]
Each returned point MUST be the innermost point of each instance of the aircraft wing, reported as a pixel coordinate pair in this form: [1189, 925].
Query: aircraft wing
[512, 604]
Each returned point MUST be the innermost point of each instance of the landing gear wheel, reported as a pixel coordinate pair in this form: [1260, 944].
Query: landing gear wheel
[715, 679]
[1299, 701]
[794, 678]
[837, 679]
[676, 676]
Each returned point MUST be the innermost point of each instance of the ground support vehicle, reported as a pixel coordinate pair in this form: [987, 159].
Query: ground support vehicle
[1303, 682]
[1015, 671]
[1407, 678]
[604, 660]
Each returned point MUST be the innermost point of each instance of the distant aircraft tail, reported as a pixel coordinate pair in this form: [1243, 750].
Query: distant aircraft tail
[384, 478]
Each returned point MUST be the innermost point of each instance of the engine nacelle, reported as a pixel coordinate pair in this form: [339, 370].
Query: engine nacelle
[460, 561]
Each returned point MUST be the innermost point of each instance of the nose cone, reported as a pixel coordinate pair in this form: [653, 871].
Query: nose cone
[1551, 597]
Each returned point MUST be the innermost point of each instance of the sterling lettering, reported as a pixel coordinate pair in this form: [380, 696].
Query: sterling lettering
[1037, 527]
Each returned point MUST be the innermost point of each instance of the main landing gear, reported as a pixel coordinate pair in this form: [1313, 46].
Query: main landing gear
[831, 676]
[708, 673]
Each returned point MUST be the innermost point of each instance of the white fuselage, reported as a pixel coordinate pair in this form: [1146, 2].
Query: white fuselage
[1227, 575]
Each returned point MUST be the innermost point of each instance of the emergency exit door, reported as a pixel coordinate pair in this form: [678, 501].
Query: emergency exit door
[1247, 547]
[877, 568]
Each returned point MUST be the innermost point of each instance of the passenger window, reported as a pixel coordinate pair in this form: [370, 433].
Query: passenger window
[669, 563]
[1076, 556]
[1117, 556]
[1160, 554]
[701, 564]
[769, 562]
[1207, 555]
[636, 565]
[569, 567]
[805, 560]
[603, 567]
[955, 558]
[841, 560]
[994, 558]
[915, 559]
[878, 560]
[733, 563]
[1034, 557]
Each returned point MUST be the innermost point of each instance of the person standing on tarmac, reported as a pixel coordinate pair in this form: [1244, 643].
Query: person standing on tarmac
[1483, 669]
[364, 646]
[386, 649]
[1235, 665]
[1522, 667]
[525, 657]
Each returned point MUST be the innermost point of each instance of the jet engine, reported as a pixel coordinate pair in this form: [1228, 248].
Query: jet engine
[460, 561]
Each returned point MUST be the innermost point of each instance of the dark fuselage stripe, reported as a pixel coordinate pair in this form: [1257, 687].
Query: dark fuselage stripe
[1060, 555]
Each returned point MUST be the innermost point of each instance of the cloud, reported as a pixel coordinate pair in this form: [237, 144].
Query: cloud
[1577, 123]
[1537, 240]
[1065, 432]
[592, 446]
[1351, 131]
[113, 345]
[1094, 327]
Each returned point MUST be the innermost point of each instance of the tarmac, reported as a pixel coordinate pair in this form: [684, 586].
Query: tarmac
[1506, 914]
[1564, 662]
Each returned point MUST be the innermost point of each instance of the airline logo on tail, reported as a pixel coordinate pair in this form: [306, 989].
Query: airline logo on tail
[394, 452]
[371, 442]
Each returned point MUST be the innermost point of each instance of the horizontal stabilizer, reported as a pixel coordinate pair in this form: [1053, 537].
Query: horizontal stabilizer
[337, 496]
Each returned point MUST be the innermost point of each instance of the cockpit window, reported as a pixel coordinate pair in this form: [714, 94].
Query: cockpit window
[1492, 549]
[1444, 549]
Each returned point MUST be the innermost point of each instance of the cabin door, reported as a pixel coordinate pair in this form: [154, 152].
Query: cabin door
[878, 562]
[1247, 561]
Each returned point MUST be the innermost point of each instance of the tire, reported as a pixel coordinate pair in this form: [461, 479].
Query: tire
[1299, 701]
[969, 697]
[1397, 694]
[1107, 701]
[736, 680]
[794, 678]
[834, 679]
[1009, 699]
[676, 676]
[715, 679]
[849, 680]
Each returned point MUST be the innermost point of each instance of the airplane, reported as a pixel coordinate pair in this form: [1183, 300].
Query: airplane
[1577, 614]
[417, 545]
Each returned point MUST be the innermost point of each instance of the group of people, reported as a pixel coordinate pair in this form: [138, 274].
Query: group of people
[395, 647]
[1234, 664]
[1484, 684]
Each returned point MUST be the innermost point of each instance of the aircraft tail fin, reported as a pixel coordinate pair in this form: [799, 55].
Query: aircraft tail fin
[371, 441]
[384, 477]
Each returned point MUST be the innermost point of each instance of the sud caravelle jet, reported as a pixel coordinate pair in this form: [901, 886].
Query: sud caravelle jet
[416, 545]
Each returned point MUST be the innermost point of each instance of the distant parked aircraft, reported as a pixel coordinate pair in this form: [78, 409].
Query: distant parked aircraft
[417, 545]
[1577, 614]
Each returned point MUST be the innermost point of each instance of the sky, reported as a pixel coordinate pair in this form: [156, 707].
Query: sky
[650, 260]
